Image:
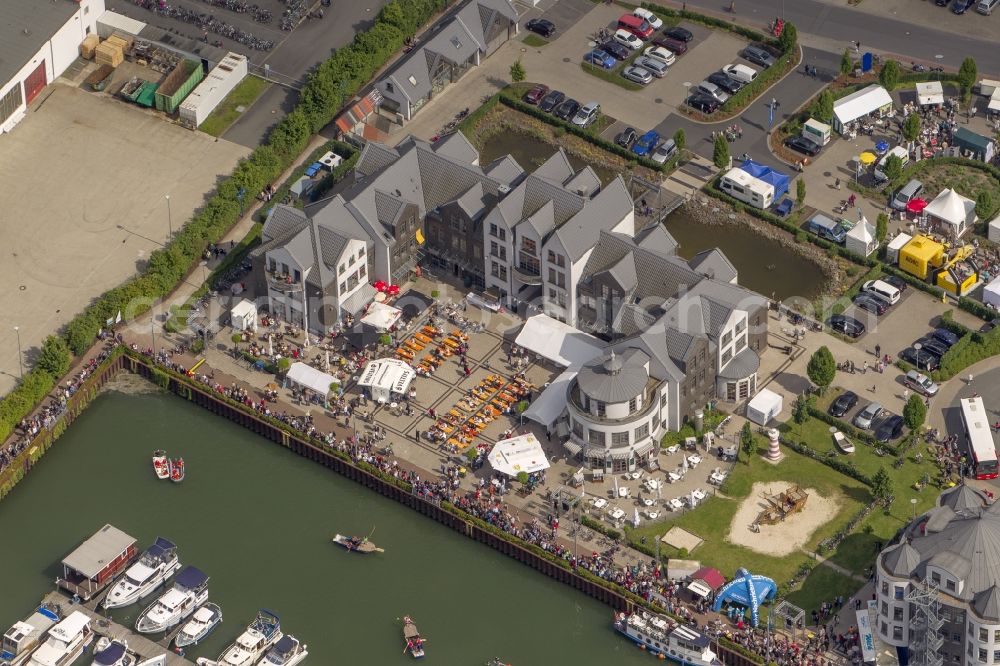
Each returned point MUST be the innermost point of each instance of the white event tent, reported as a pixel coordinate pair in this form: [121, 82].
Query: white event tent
[386, 376]
[861, 238]
[382, 316]
[243, 316]
[518, 454]
[308, 377]
[764, 406]
[547, 407]
[857, 105]
[951, 211]
[558, 342]
[930, 93]
[991, 293]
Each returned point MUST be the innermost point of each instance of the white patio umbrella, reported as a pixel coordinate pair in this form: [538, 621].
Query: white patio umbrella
[684, 463]
[328, 360]
[693, 500]
[270, 346]
[635, 518]
[616, 486]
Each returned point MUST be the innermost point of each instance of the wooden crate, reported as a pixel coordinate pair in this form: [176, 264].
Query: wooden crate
[109, 54]
[88, 46]
[119, 40]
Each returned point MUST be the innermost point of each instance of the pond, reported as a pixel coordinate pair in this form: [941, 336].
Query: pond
[531, 152]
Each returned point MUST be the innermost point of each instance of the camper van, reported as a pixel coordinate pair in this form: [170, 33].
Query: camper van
[899, 151]
[826, 228]
[740, 185]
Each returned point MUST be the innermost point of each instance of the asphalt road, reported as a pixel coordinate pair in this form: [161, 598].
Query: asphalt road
[987, 385]
[310, 44]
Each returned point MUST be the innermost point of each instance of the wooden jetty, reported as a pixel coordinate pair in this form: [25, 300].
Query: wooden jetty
[143, 647]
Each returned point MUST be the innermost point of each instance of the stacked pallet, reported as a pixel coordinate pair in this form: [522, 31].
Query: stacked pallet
[88, 46]
[109, 53]
[125, 41]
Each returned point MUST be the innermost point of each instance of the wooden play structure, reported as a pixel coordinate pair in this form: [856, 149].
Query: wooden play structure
[782, 505]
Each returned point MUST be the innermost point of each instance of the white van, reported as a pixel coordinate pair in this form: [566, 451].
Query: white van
[986, 6]
[900, 152]
[883, 289]
[741, 73]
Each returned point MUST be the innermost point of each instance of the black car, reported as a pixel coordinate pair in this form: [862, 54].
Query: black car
[921, 359]
[726, 82]
[703, 103]
[626, 137]
[895, 281]
[934, 346]
[961, 6]
[803, 145]
[619, 51]
[567, 109]
[551, 101]
[873, 305]
[945, 337]
[844, 403]
[543, 27]
[675, 46]
[848, 326]
[758, 55]
[889, 428]
[679, 33]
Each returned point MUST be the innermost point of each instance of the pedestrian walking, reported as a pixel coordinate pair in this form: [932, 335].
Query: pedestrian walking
[970, 377]
[906, 394]
[878, 351]
[836, 184]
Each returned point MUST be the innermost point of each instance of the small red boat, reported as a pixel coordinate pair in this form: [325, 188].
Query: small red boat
[160, 464]
[177, 470]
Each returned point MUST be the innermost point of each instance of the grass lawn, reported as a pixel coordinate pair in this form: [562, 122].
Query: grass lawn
[535, 40]
[613, 75]
[965, 180]
[243, 95]
[823, 584]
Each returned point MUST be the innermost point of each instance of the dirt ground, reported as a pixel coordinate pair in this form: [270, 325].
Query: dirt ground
[785, 537]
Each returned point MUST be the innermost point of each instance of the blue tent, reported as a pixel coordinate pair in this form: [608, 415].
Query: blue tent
[776, 179]
[748, 590]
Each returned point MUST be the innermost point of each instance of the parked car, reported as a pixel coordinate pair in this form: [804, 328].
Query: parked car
[552, 100]
[866, 417]
[889, 429]
[615, 49]
[637, 74]
[844, 403]
[712, 90]
[657, 68]
[897, 282]
[601, 58]
[961, 6]
[920, 383]
[679, 33]
[567, 109]
[871, 304]
[626, 137]
[845, 325]
[920, 358]
[934, 346]
[665, 151]
[654, 21]
[535, 95]
[883, 289]
[646, 143]
[945, 336]
[941, 3]
[704, 103]
[658, 52]
[627, 39]
[674, 45]
[726, 82]
[802, 145]
[741, 72]
[758, 55]
[543, 27]
[587, 114]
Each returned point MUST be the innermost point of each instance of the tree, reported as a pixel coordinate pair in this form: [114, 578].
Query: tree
[789, 38]
[821, 368]
[237, 339]
[800, 190]
[800, 410]
[720, 154]
[517, 73]
[984, 205]
[914, 412]
[747, 442]
[882, 485]
[889, 76]
[54, 357]
[680, 140]
[846, 62]
[284, 364]
[881, 227]
[911, 127]
[823, 109]
[893, 168]
[967, 74]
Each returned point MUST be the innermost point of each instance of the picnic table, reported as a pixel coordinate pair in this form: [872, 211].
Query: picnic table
[694, 459]
[675, 504]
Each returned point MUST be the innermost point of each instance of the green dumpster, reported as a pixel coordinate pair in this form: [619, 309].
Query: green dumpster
[179, 83]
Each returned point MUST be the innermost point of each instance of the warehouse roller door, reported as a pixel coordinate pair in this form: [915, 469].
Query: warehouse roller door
[35, 83]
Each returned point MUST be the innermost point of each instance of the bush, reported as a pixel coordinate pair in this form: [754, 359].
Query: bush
[748, 93]
[598, 526]
[54, 357]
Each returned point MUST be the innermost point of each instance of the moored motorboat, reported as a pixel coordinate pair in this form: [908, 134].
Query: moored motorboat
[177, 470]
[21, 639]
[286, 652]
[190, 590]
[260, 635]
[110, 652]
[160, 464]
[665, 638]
[201, 624]
[158, 563]
[497, 661]
[357, 544]
[65, 643]
[414, 642]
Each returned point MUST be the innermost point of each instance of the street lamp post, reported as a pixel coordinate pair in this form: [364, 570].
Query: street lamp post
[913, 503]
[20, 363]
[170, 223]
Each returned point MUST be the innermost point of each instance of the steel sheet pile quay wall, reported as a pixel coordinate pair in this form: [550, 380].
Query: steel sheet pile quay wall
[209, 94]
[178, 84]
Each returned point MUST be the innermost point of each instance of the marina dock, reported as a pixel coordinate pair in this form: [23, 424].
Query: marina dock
[144, 648]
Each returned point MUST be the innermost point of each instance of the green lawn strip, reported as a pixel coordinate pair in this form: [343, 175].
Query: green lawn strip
[823, 584]
[534, 40]
[613, 75]
[245, 94]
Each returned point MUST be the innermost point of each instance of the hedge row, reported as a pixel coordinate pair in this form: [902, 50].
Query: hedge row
[598, 526]
[849, 429]
[764, 80]
[845, 468]
[711, 22]
[966, 352]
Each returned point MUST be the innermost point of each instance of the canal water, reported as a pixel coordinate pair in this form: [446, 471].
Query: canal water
[531, 152]
[258, 519]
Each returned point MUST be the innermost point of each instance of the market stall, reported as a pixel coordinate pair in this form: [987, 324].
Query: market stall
[243, 316]
[387, 379]
[930, 93]
[871, 101]
[518, 454]
[309, 378]
[382, 316]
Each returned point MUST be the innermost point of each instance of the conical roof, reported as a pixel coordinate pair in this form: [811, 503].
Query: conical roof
[987, 604]
[962, 498]
[970, 543]
[901, 560]
[949, 205]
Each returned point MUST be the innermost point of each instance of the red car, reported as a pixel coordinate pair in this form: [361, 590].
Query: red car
[535, 95]
[675, 45]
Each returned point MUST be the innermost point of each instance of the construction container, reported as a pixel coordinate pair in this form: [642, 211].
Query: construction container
[147, 95]
[178, 85]
[132, 88]
[89, 46]
[109, 53]
[100, 77]
[209, 94]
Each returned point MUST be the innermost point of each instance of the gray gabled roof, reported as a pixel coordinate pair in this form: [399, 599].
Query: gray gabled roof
[556, 169]
[457, 146]
[585, 182]
[714, 264]
[98, 551]
[962, 498]
[25, 26]
[374, 157]
[505, 170]
[742, 365]
[656, 238]
[580, 233]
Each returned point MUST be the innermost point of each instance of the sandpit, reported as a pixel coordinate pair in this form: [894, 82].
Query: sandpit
[787, 536]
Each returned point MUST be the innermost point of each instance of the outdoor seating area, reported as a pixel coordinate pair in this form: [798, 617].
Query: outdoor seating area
[491, 398]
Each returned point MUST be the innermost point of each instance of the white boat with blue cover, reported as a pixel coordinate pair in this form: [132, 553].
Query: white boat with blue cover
[286, 652]
[156, 565]
[263, 632]
[189, 591]
[21, 639]
[201, 624]
[665, 638]
[65, 643]
[115, 652]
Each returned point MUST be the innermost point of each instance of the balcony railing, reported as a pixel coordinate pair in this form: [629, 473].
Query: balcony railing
[283, 282]
[525, 275]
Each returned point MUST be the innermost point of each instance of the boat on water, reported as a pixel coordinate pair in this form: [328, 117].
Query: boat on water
[67, 641]
[115, 652]
[665, 638]
[357, 544]
[497, 661]
[177, 470]
[160, 464]
[286, 652]
[260, 635]
[21, 639]
[154, 567]
[201, 624]
[414, 643]
[189, 591]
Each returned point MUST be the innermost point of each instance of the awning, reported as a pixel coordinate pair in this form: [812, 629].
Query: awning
[572, 447]
[310, 378]
[930, 93]
[547, 407]
[382, 316]
[354, 303]
[518, 454]
[861, 103]
[699, 588]
[711, 576]
[558, 342]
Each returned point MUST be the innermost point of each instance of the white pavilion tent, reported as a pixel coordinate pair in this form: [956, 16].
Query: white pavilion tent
[764, 406]
[991, 293]
[558, 342]
[382, 316]
[930, 93]
[385, 377]
[861, 238]
[951, 211]
[518, 454]
[551, 402]
[243, 316]
[857, 105]
[308, 377]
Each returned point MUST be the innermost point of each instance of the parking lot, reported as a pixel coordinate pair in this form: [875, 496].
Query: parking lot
[84, 204]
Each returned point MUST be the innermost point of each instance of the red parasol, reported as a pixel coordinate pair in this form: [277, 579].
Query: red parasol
[380, 285]
[916, 205]
[392, 289]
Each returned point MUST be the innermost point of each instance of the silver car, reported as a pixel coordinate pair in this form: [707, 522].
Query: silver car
[587, 114]
[654, 66]
[866, 417]
[637, 74]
